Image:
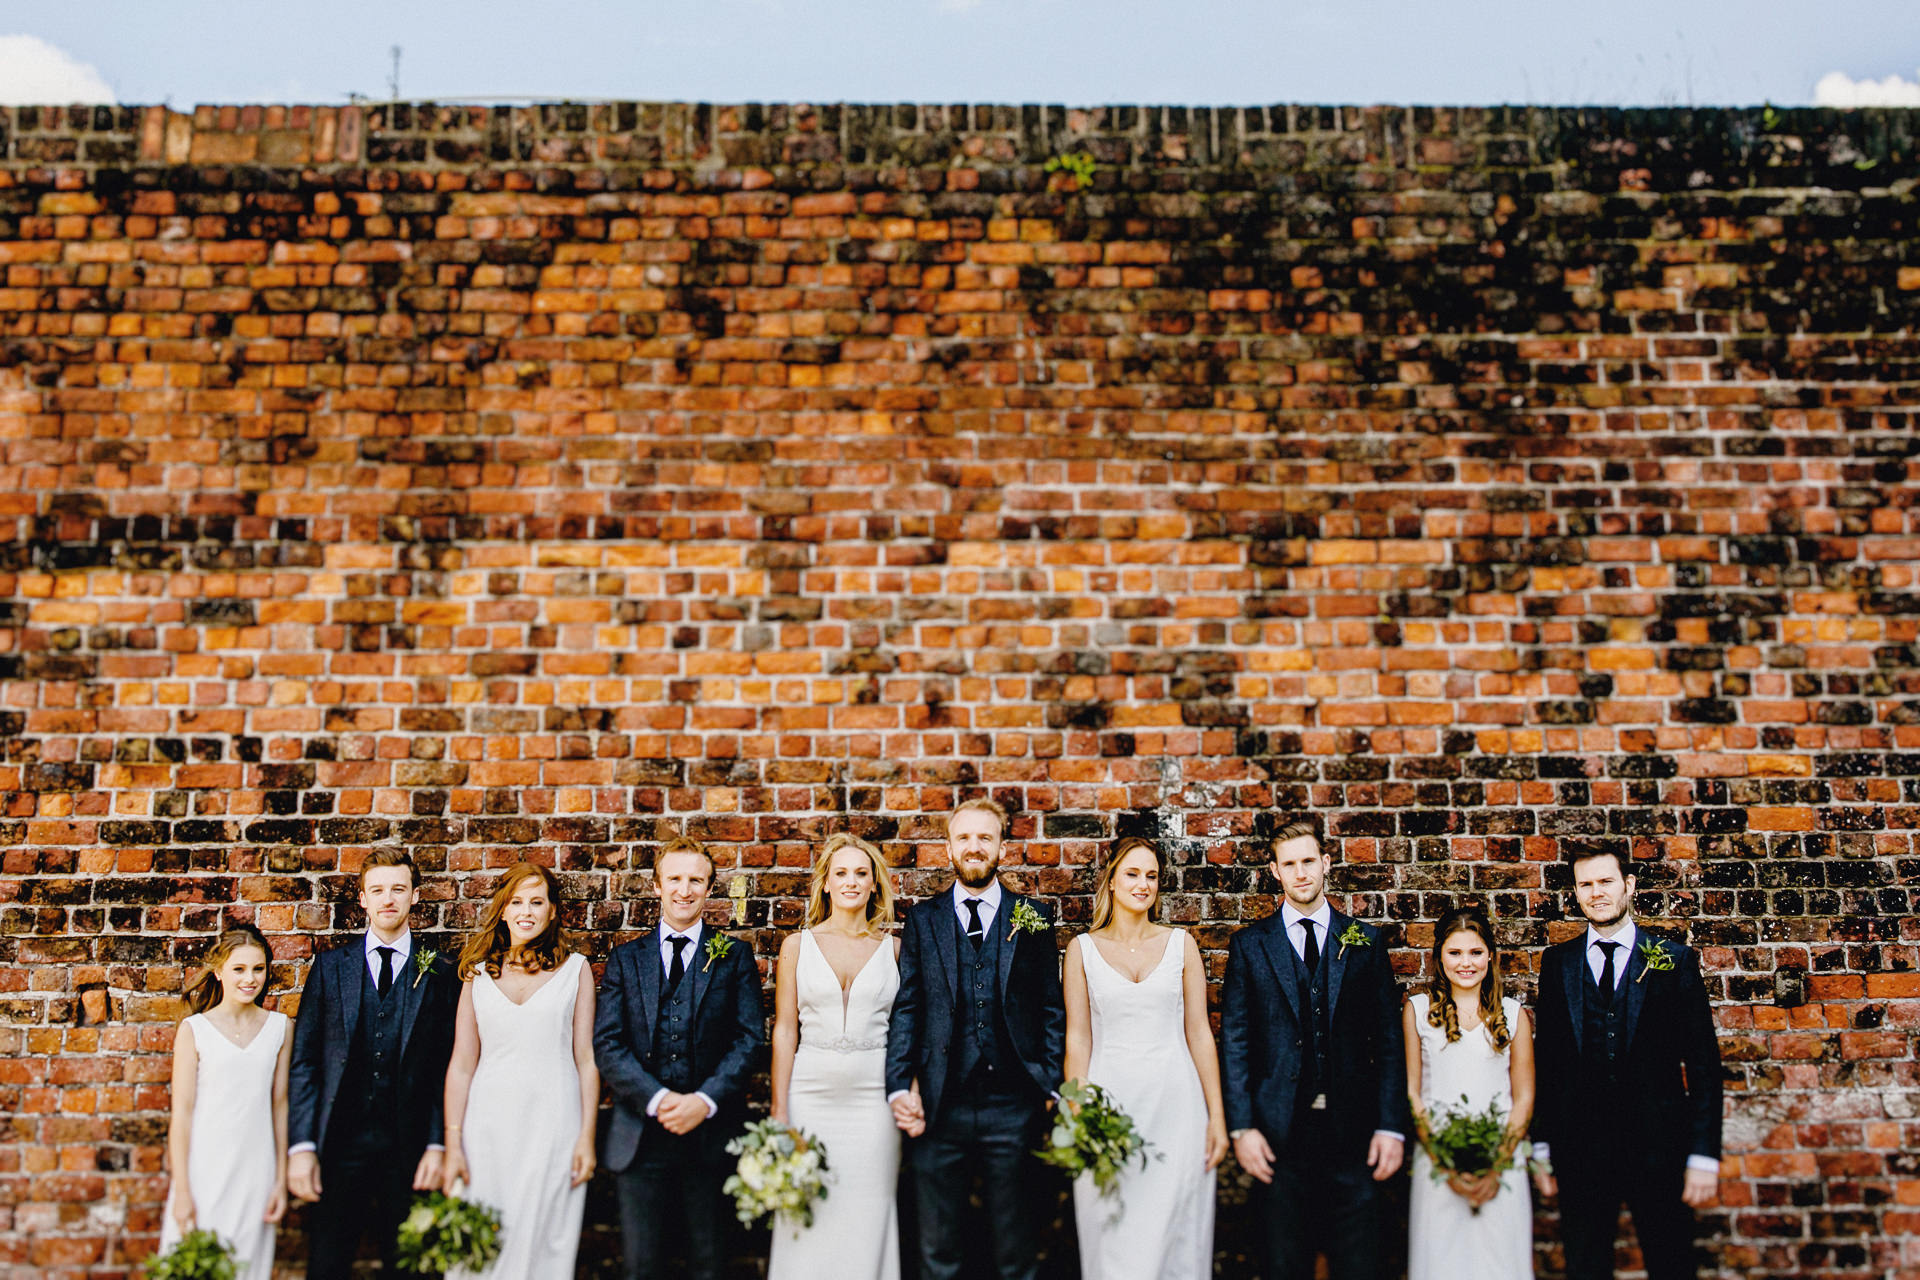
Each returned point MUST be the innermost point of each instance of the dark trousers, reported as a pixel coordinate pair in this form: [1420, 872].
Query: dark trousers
[987, 1134]
[360, 1192]
[674, 1178]
[1592, 1190]
[1322, 1196]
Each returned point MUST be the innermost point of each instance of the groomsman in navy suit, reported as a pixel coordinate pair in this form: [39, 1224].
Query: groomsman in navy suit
[675, 1035]
[1315, 1073]
[1629, 1083]
[367, 1075]
[974, 1051]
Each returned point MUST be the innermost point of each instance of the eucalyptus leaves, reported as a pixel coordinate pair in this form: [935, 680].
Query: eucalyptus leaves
[1092, 1135]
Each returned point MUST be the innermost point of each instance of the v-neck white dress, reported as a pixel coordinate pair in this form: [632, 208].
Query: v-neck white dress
[231, 1159]
[839, 1094]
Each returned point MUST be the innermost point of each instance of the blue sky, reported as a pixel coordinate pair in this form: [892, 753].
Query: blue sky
[1647, 52]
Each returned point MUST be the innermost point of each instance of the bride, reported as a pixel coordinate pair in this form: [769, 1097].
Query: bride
[833, 994]
[1137, 1026]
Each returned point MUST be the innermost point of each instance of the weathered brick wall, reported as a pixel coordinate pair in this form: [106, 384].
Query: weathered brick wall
[534, 483]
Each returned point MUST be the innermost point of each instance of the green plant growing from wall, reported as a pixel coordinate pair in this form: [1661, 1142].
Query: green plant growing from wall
[1079, 165]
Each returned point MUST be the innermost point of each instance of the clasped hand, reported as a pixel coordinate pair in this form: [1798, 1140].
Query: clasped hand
[681, 1113]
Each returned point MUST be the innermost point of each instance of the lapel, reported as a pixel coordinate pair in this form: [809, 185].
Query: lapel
[1336, 954]
[1636, 989]
[1008, 940]
[353, 980]
[645, 954]
[412, 989]
[946, 940]
[698, 966]
[1270, 934]
[1572, 976]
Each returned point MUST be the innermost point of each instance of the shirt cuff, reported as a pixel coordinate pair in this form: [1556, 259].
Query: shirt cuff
[298, 1147]
[1401, 1138]
[653, 1103]
[898, 1093]
[1705, 1164]
[713, 1108]
[435, 1146]
[1543, 1152]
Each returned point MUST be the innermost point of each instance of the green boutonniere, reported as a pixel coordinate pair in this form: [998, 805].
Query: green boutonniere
[717, 946]
[1354, 936]
[1025, 919]
[1658, 958]
[423, 964]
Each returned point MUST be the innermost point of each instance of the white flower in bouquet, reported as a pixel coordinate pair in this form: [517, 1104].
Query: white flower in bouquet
[780, 1170]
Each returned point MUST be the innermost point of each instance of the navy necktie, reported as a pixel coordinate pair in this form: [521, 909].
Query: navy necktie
[975, 933]
[678, 969]
[1606, 969]
[386, 968]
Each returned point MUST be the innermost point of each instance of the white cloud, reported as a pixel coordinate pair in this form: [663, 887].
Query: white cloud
[33, 72]
[1838, 89]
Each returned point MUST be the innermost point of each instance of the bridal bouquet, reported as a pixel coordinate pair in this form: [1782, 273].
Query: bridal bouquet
[197, 1255]
[781, 1170]
[1092, 1135]
[1464, 1141]
[444, 1231]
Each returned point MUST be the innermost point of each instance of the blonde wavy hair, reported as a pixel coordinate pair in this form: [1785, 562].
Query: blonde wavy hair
[1441, 1012]
[1103, 892]
[879, 902]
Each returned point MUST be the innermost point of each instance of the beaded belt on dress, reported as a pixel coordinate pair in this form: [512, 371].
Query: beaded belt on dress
[844, 1044]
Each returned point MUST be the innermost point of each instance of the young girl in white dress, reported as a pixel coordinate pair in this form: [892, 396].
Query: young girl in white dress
[1464, 1040]
[228, 1142]
[522, 1090]
[833, 997]
[1136, 995]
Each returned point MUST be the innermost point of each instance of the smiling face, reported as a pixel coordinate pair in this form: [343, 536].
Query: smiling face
[1464, 959]
[1604, 894]
[850, 880]
[242, 975]
[529, 910]
[1301, 869]
[1136, 882]
[387, 894]
[973, 846]
[683, 881]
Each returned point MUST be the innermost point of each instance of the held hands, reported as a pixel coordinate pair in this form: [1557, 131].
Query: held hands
[583, 1159]
[1254, 1155]
[1384, 1155]
[303, 1175]
[426, 1174]
[681, 1113]
[1700, 1188]
[908, 1115]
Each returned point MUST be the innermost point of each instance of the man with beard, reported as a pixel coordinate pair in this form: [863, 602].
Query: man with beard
[974, 1051]
[1629, 1083]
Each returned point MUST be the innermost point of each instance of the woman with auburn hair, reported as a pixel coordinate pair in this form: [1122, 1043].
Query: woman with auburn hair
[1467, 1047]
[229, 1157]
[1136, 996]
[833, 996]
[522, 1091]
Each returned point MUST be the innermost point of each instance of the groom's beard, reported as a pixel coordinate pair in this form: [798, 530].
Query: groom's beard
[1610, 921]
[979, 879]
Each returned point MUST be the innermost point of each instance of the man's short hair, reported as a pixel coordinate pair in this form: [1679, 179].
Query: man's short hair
[390, 857]
[983, 804]
[1579, 856]
[1298, 827]
[684, 844]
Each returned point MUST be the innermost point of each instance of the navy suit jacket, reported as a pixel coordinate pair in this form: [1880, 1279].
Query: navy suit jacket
[323, 1037]
[729, 1028]
[1672, 1068]
[921, 1032]
[1263, 1035]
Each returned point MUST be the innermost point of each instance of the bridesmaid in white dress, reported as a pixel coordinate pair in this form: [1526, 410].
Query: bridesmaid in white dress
[1464, 1040]
[833, 996]
[522, 1090]
[1136, 996]
[229, 1156]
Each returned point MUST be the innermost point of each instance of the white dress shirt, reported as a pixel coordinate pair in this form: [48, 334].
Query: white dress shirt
[689, 956]
[1626, 935]
[989, 899]
[402, 952]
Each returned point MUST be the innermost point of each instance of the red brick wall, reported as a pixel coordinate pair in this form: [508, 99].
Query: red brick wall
[535, 483]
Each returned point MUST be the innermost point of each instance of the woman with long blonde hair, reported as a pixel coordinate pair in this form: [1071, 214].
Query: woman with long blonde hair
[833, 996]
[522, 1089]
[1136, 996]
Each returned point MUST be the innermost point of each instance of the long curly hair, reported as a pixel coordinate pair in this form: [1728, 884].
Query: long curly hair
[491, 943]
[204, 992]
[1440, 1008]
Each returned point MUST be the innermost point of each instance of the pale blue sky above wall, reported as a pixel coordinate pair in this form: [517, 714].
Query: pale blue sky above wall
[1637, 52]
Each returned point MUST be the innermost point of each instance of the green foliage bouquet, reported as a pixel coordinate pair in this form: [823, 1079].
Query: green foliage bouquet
[197, 1255]
[1460, 1140]
[443, 1231]
[781, 1170]
[1092, 1135]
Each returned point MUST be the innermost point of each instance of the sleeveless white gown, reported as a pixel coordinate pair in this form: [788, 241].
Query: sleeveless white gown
[1445, 1238]
[838, 1093]
[231, 1160]
[1158, 1224]
[523, 1118]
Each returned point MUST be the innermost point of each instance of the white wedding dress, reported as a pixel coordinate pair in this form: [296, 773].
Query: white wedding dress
[1445, 1238]
[522, 1121]
[1158, 1223]
[231, 1156]
[838, 1093]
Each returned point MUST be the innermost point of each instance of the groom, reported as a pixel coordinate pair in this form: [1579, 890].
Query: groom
[367, 1070]
[1629, 1083]
[675, 1034]
[1315, 1070]
[974, 1050]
